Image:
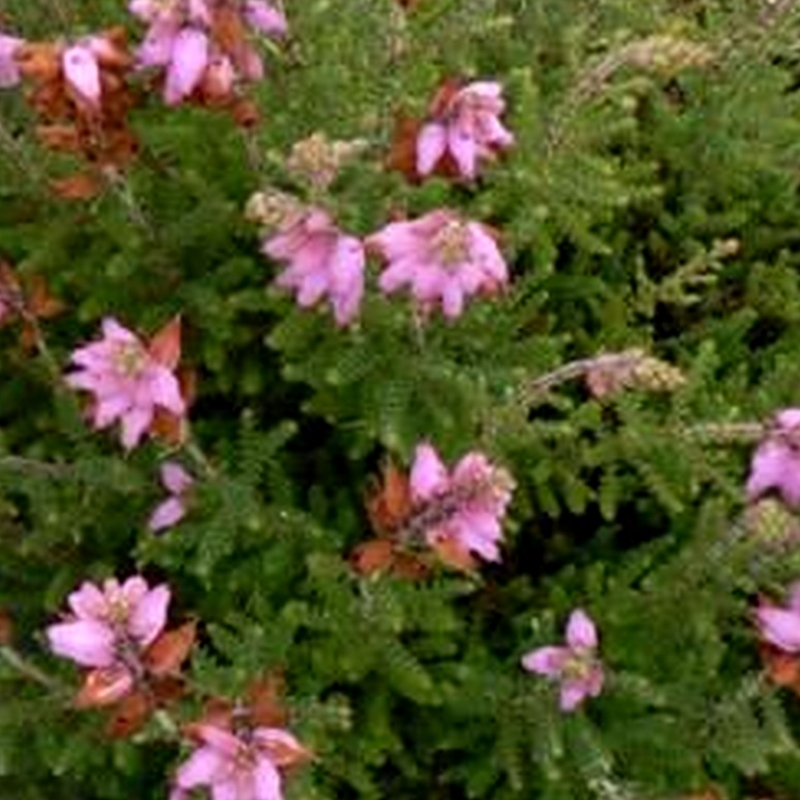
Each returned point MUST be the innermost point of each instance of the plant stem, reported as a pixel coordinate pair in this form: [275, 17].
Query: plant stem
[28, 670]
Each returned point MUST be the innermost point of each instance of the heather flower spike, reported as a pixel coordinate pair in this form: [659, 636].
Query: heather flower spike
[321, 261]
[178, 482]
[575, 665]
[465, 128]
[129, 382]
[442, 258]
[776, 462]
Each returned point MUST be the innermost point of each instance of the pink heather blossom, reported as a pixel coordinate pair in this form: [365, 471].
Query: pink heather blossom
[169, 512]
[321, 261]
[776, 462]
[466, 126]
[105, 623]
[128, 383]
[9, 72]
[442, 258]
[182, 38]
[238, 768]
[780, 626]
[575, 666]
[466, 505]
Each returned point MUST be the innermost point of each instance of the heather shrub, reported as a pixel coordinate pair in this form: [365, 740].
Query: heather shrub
[400, 398]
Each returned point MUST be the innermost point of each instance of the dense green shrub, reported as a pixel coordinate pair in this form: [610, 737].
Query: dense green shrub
[648, 212]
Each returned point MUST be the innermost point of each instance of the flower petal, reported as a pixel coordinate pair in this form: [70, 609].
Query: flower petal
[81, 72]
[431, 145]
[166, 514]
[546, 660]
[780, 627]
[87, 642]
[204, 767]
[149, 616]
[581, 631]
[263, 18]
[190, 58]
[573, 693]
[428, 473]
[267, 780]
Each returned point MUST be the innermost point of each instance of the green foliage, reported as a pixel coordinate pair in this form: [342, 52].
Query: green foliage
[650, 201]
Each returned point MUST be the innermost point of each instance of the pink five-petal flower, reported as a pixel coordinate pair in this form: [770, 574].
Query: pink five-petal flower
[169, 512]
[465, 126]
[776, 461]
[780, 625]
[188, 61]
[82, 72]
[127, 382]
[9, 72]
[236, 769]
[467, 506]
[105, 620]
[321, 261]
[442, 258]
[576, 665]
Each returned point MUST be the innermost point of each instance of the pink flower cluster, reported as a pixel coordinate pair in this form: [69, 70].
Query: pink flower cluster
[238, 767]
[465, 126]
[576, 665]
[201, 44]
[465, 506]
[322, 261]
[129, 383]
[109, 627]
[776, 462]
[442, 258]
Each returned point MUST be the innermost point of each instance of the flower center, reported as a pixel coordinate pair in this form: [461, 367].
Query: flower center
[129, 359]
[450, 244]
[579, 665]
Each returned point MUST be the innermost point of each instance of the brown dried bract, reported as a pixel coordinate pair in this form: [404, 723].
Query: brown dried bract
[168, 652]
[98, 133]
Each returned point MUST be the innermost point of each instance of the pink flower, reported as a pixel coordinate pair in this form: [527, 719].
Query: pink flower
[128, 382]
[201, 43]
[9, 72]
[441, 257]
[321, 261]
[575, 666]
[169, 512]
[466, 126]
[780, 626]
[463, 508]
[106, 623]
[776, 462]
[238, 768]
